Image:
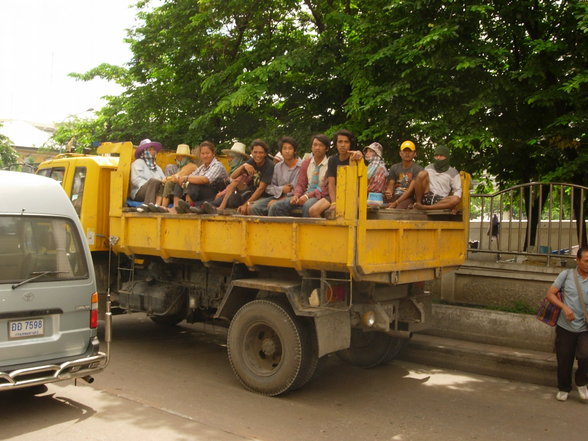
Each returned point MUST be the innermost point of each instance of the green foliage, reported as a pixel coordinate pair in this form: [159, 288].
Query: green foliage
[76, 132]
[8, 155]
[504, 83]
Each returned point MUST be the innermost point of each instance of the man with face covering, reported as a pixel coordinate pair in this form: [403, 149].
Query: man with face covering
[438, 186]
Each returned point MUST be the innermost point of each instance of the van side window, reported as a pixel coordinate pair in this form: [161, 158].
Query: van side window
[77, 188]
[33, 245]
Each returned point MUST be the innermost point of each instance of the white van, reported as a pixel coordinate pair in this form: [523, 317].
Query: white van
[48, 299]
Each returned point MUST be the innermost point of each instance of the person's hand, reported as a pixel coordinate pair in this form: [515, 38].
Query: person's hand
[287, 188]
[301, 200]
[393, 204]
[356, 155]
[249, 169]
[242, 209]
[570, 316]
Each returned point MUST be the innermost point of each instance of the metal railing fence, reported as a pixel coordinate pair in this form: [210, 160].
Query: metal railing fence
[535, 219]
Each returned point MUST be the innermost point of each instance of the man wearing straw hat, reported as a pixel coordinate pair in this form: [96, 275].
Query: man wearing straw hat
[184, 165]
[236, 155]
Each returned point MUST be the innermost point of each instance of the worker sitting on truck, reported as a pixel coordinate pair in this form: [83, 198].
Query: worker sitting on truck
[308, 188]
[438, 186]
[204, 182]
[284, 177]
[377, 173]
[400, 189]
[258, 171]
[183, 166]
[344, 141]
[146, 175]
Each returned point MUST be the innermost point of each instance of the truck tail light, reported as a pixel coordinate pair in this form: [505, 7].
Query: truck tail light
[94, 311]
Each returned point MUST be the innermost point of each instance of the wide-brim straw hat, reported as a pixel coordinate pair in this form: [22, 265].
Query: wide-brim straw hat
[238, 148]
[146, 144]
[184, 150]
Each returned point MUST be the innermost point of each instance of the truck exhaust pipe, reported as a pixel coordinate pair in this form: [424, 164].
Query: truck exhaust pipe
[88, 379]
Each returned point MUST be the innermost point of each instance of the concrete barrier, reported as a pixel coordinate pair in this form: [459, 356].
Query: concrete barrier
[519, 331]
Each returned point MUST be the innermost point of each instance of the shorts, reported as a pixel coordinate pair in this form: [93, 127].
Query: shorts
[430, 198]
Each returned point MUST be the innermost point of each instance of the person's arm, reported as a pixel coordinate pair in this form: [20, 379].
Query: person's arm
[332, 189]
[274, 188]
[243, 168]
[202, 180]
[552, 298]
[389, 191]
[456, 186]
[356, 155]
[302, 182]
[138, 177]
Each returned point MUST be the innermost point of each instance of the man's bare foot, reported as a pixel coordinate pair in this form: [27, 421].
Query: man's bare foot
[419, 206]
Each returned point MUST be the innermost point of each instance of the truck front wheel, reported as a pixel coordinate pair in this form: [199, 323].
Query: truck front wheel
[265, 347]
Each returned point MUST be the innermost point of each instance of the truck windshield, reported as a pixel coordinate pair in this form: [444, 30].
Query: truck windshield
[40, 249]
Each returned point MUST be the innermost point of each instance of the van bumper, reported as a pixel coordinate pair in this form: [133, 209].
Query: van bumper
[92, 362]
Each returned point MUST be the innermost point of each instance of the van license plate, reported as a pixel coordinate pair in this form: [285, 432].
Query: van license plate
[26, 328]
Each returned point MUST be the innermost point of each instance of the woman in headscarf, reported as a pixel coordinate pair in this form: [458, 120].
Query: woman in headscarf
[146, 175]
[377, 172]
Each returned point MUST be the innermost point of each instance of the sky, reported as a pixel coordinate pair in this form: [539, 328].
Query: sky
[42, 41]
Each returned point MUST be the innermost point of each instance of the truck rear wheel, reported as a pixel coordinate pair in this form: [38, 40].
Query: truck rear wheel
[370, 349]
[265, 347]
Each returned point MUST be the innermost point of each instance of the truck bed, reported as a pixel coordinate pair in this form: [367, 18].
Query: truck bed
[392, 246]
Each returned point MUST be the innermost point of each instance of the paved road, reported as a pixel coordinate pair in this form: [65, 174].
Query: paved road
[177, 384]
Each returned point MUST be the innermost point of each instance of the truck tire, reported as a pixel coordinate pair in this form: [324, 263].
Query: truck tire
[309, 355]
[370, 349]
[265, 347]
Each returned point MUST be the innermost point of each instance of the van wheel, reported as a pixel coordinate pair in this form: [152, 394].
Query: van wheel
[370, 349]
[265, 347]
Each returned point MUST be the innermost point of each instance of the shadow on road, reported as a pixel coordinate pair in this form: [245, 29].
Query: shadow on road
[29, 410]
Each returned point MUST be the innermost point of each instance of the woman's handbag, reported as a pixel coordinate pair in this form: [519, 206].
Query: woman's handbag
[549, 313]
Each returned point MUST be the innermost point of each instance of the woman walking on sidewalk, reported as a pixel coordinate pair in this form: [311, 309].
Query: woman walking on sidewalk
[571, 331]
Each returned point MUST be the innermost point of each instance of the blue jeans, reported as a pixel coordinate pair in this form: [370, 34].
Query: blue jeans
[284, 208]
[259, 207]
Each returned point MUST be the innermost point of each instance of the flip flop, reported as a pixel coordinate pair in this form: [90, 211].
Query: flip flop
[183, 207]
[208, 208]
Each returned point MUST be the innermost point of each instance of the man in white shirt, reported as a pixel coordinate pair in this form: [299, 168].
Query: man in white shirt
[438, 186]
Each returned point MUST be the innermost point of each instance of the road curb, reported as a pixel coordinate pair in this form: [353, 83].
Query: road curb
[524, 365]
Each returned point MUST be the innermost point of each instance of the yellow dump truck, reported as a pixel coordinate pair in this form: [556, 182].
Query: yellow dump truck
[289, 289]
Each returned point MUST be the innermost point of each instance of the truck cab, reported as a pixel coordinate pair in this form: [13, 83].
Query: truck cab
[48, 296]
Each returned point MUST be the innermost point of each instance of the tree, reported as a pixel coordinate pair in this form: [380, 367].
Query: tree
[8, 155]
[504, 83]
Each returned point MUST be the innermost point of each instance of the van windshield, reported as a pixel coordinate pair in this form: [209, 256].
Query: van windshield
[46, 246]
